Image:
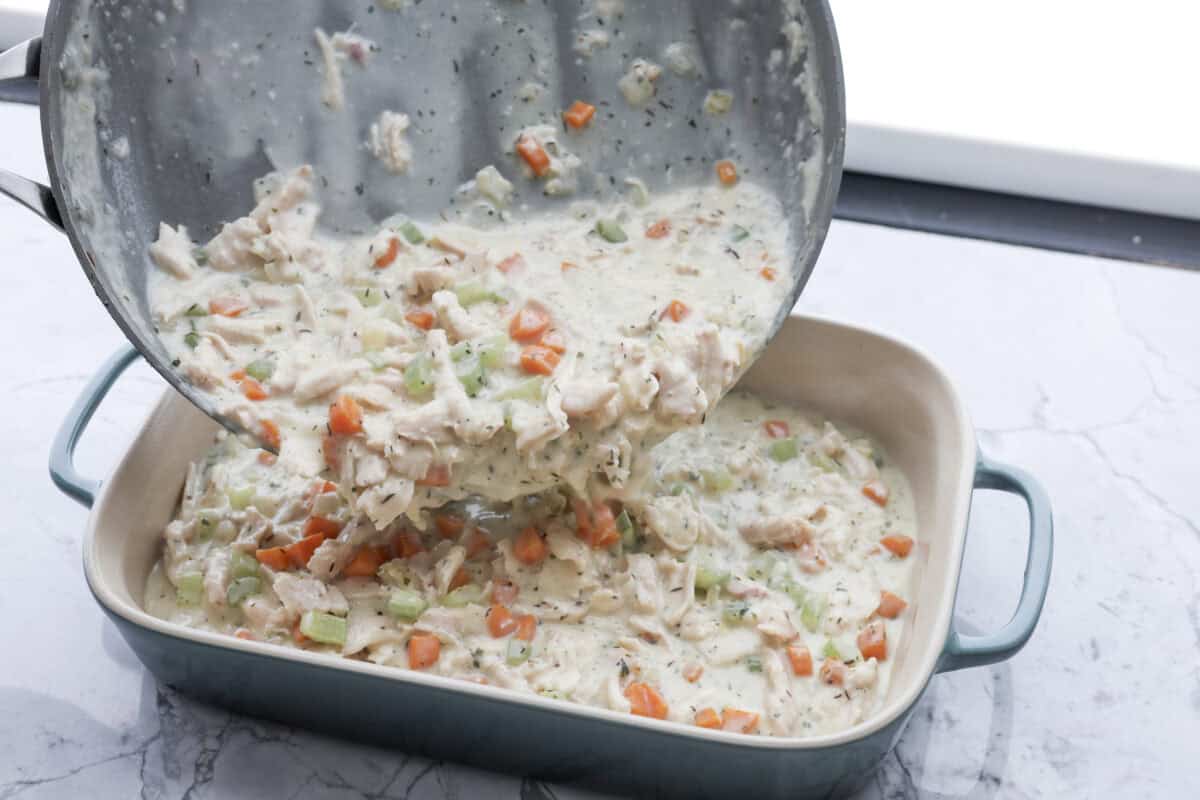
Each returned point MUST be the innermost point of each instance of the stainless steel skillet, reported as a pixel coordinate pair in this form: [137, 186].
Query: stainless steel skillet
[167, 110]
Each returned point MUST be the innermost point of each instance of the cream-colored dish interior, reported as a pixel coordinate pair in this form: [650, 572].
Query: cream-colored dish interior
[875, 383]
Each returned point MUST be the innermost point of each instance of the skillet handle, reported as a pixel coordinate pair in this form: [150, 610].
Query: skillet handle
[963, 651]
[20, 67]
[62, 452]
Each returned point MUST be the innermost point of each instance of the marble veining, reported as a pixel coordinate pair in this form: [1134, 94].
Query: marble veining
[1084, 371]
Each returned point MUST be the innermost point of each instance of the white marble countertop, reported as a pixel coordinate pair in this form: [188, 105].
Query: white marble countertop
[1086, 372]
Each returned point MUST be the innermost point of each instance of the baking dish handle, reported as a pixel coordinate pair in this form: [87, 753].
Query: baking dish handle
[962, 650]
[62, 452]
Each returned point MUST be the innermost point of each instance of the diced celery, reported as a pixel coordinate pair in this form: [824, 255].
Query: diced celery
[628, 530]
[406, 604]
[795, 591]
[411, 232]
[199, 255]
[473, 379]
[473, 293]
[242, 588]
[206, 524]
[532, 390]
[813, 610]
[754, 663]
[196, 310]
[735, 612]
[463, 596]
[783, 449]
[738, 233]
[191, 339]
[707, 577]
[189, 589]
[377, 360]
[518, 651]
[762, 565]
[240, 497]
[679, 489]
[844, 649]
[242, 565]
[418, 376]
[716, 480]
[369, 296]
[261, 369]
[611, 231]
[830, 650]
[823, 462]
[323, 628]
[491, 352]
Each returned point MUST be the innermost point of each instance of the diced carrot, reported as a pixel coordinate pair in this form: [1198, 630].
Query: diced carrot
[567, 266]
[242, 633]
[692, 672]
[526, 627]
[890, 605]
[659, 230]
[583, 519]
[269, 433]
[777, 429]
[898, 543]
[424, 649]
[253, 390]
[554, 340]
[460, 579]
[530, 547]
[538, 360]
[449, 525]
[727, 173]
[406, 544]
[436, 475]
[323, 526]
[579, 114]
[274, 557]
[477, 543]
[504, 592]
[833, 672]
[267, 458]
[872, 641]
[676, 311]
[226, 306]
[513, 262]
[738, 721]
[604, 527]
[708, 718]
[300, 552]
[876, 491]
[500, 621]
[645, 701]
[529, 324]
[365, 563]
[420, 318]
[329, 451]
[768, 273]
[386, 258]
[801, 658]
[529, 149]
[345, 416]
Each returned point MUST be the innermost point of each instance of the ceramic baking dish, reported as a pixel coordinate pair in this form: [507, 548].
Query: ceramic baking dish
[855, 376]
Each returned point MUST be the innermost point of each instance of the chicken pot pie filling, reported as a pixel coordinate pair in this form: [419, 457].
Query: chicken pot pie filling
[755, 581]
[429, 362]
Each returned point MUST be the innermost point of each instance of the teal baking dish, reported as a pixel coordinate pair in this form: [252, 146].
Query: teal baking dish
[860, 377]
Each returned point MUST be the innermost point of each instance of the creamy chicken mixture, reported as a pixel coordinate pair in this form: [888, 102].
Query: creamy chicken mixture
[428, 362]
[756, 582]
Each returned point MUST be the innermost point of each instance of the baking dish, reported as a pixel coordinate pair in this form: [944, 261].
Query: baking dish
[858, 377]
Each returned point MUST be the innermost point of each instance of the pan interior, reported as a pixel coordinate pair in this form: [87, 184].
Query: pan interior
[167, 110]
